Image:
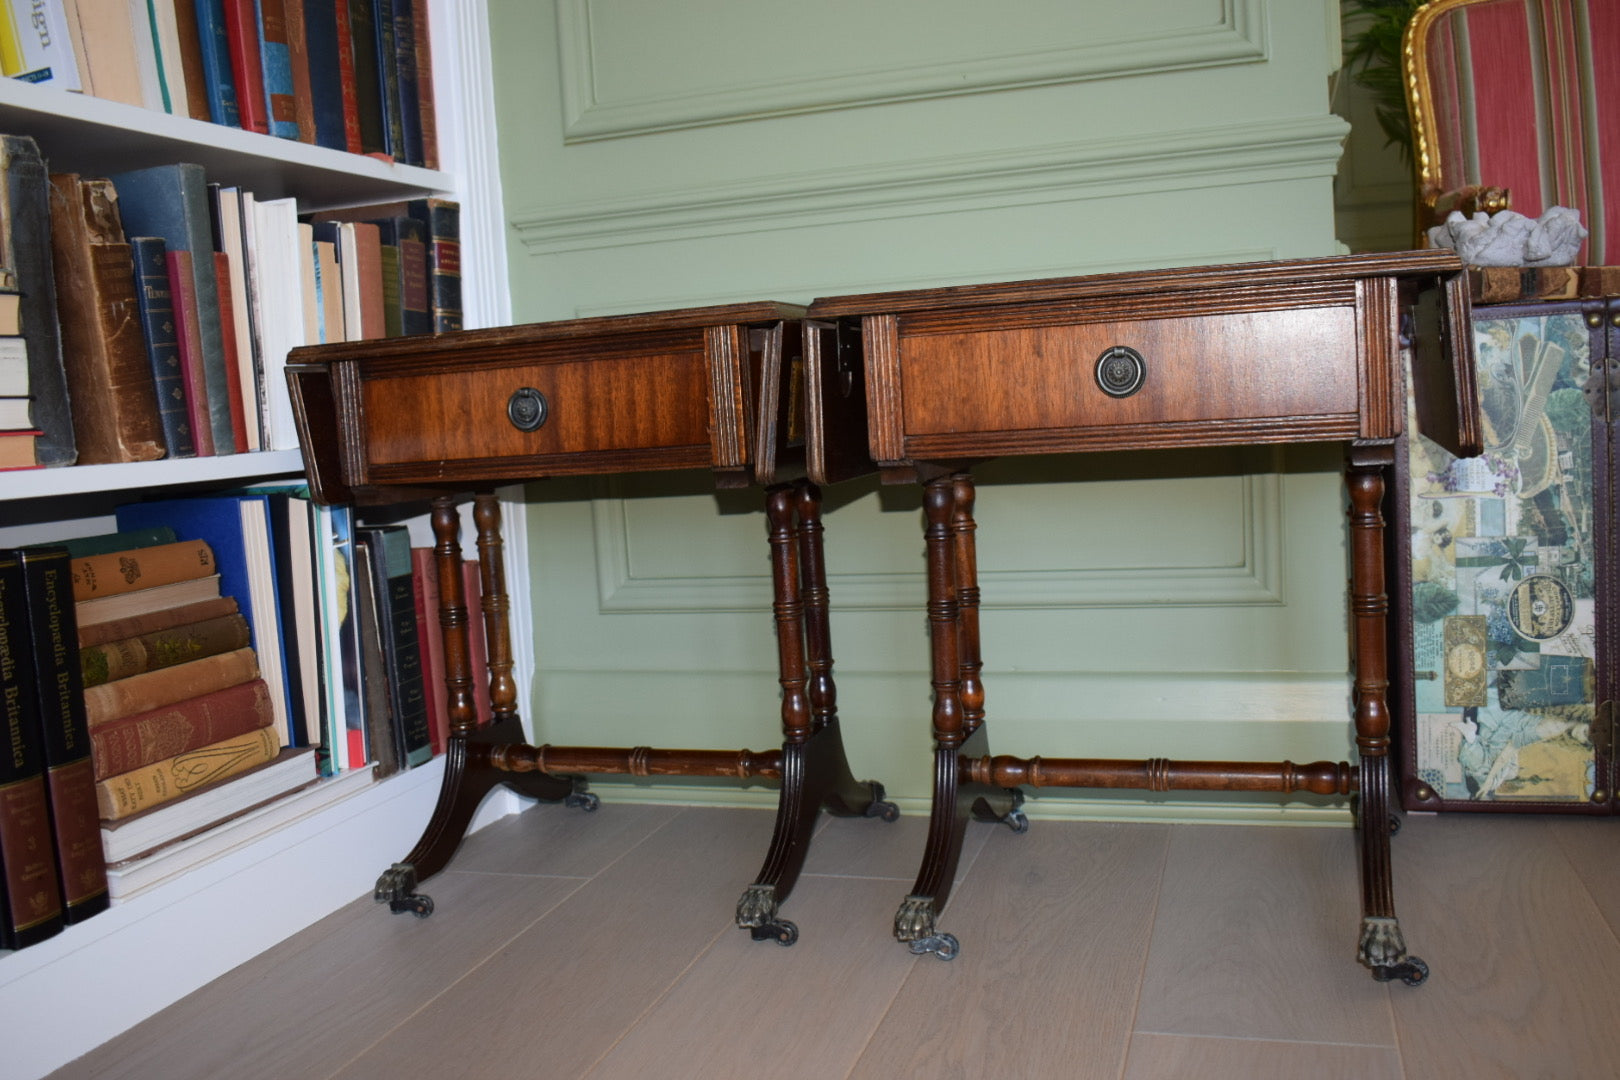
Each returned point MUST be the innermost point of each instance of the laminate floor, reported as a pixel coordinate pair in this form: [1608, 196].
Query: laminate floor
[600, 946]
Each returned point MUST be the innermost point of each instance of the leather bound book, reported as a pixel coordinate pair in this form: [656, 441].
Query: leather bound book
[130, 742]
[425, 592]
[94, 612]
[130, 792]
[324, 39]
[406, 82]
[382, 14]
[64, 733]
[242, 44]
[242, 437]
[390, 547]
[219, 80]
[427, 112]
[124, 657]
[191, 59]
[115, 409]
[33, 898]
[117, 572]
[171, 201]
[165, 686]
[188, 349]
[160, 334]
[442, 219]
[275, 60]
[27, 251]
[155, 620]
[292, 13]
[367, 77]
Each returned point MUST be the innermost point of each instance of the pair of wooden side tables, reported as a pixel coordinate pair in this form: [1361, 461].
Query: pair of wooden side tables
[915, 385]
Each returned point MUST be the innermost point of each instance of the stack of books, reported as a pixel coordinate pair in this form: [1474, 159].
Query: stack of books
[223, 284]
[176, 698]
[352, 75]
[17, 431]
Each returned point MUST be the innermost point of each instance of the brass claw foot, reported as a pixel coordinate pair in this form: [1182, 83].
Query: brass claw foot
[397, 888]
[914, 925]
[1383, 951]
[756, 913]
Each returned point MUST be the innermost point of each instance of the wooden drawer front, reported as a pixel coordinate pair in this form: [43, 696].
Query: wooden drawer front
[601, 406]
[1242, 366]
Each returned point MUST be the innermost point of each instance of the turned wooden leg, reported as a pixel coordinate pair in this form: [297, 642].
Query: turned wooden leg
[468, 773]
[814, 769]
[948, 515]
[1382, 947]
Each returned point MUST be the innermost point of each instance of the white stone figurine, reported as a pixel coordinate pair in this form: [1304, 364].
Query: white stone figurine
[1511, 239]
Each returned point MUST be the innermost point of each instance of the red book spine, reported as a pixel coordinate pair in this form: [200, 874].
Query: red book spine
[183, 290]
[477, 643]
[233, 360]
[125, 744]
[242, 38]
[351, 99]
[430, 640]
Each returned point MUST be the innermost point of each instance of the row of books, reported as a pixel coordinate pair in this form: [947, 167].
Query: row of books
[149, 310]
[231, 650]
[352, 75]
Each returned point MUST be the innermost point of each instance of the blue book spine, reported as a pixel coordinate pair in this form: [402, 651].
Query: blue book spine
[276, 61]
[219, 81]
[325, 76]
[156, 307]
[410, 100]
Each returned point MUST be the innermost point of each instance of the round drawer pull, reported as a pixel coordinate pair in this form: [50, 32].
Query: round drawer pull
[527, 409]
[1121, 371]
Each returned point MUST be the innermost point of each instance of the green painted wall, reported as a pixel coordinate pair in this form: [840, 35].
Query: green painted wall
[660, 155]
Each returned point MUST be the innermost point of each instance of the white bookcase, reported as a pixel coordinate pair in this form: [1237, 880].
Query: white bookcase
[277, 875]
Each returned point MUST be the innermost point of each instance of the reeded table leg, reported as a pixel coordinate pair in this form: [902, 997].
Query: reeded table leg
[954, 648]
[815, 770]
[468, 772]
[1381, 948]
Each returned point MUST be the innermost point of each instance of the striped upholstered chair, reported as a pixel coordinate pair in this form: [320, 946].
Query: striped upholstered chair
[1517, 103]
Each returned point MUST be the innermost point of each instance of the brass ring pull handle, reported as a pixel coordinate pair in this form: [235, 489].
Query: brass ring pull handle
[1121, 371]
[527, 409]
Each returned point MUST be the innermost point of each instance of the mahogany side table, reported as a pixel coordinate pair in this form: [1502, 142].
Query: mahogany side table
[724, 388]
[1284, 352]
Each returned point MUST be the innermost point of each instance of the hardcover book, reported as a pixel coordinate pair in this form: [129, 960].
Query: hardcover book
[165, 686]
[127, 793]
[115, 408]
[119, 607]
[390, 547]
[219, 81]
[159, 618]
[161, 649]
[25, 248]
[171, 201]
[63, 732]
[160, 335]
[141, 568]
[32, 903]
[129, 742]
[275, 59]
[188, 349]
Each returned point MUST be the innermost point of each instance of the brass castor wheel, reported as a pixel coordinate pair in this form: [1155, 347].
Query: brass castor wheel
[1412, 971]
[783, 932]
[583, 800]
[417, 904]
[944, 946]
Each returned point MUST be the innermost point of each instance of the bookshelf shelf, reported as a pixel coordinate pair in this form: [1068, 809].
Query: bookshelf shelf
[146, 475]
[92, 136]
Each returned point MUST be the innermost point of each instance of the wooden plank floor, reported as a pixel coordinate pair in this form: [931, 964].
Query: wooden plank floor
[600, 946]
